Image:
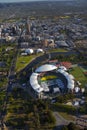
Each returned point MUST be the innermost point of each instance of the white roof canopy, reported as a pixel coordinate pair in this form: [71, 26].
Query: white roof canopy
[34, 83]
[45, 68]
[69, 78]
[63, 68]
[29, 51]
[40, 50]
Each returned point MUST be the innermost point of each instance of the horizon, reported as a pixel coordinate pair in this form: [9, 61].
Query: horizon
[19, 1]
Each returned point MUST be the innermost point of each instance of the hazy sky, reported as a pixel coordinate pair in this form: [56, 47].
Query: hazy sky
[23, 0]
[16, 0]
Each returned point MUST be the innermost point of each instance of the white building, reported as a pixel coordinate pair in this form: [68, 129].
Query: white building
[29, 51]
[40, 50]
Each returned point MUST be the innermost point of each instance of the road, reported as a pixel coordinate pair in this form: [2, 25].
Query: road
[8, 88]
[45, 57]
[60, 121]
[11, 77]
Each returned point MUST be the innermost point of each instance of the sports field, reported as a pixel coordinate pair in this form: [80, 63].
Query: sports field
[49, 77]
[78, 73]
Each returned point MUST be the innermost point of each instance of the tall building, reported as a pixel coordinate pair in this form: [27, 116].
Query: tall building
[28, 26]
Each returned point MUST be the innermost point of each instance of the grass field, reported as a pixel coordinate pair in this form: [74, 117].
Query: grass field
[49, 77]
[79, 75]
[23, 61]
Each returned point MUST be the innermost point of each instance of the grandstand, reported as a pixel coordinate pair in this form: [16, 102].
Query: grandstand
[61, 82]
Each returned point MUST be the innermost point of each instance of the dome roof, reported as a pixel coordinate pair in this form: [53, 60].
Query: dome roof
[29, 51]
[45, 68]
[40, 50]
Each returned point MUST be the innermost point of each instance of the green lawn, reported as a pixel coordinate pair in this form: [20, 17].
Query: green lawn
[23, 61]
[79, 75]
[49, 77]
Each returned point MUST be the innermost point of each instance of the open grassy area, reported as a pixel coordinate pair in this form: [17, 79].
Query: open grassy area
[49, 77]
[79, 75]
[23, 61]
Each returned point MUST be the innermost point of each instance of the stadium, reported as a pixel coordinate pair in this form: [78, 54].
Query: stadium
[50, 80]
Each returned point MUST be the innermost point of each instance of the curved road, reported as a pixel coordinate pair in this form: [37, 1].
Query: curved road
[44, 57]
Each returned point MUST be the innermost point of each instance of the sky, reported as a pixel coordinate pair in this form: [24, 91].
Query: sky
[7, 1]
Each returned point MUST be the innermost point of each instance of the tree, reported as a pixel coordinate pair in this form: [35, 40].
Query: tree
[85, 128]
[72, 126]
[64, 128]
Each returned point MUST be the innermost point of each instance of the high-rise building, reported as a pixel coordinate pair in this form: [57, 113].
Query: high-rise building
[28, 26]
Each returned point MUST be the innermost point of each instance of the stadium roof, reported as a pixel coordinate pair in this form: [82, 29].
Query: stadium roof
[45, 68]
[34, 83]
[69, 78]
[63, 68]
